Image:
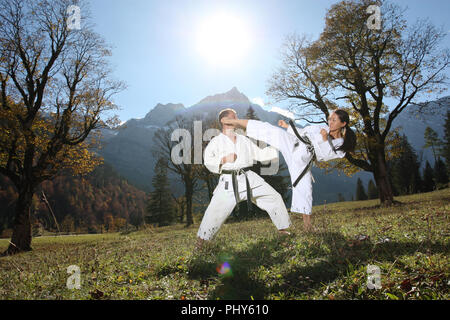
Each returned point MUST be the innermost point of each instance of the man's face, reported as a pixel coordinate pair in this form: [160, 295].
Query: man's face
[229, 115]
[226, 128]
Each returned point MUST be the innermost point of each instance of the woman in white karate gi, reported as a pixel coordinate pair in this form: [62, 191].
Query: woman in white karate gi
[323, 143]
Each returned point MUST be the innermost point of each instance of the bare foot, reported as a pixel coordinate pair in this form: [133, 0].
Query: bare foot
[309, 229]
[284, 232]
[199, 245]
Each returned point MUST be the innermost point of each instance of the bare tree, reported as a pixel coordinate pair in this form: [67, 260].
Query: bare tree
[185, 169]
[209, 178]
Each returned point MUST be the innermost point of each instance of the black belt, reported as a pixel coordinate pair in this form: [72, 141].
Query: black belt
[310, 148]
[234, 174]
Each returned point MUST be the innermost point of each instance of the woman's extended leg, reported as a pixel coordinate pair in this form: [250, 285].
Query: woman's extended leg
[274, 136]
[302, 199]
[307, 222]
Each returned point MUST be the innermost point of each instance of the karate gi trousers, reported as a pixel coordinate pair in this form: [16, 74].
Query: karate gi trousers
[223, 203]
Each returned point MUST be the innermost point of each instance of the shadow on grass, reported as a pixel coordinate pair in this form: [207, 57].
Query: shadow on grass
[237, 281]
[332, 251]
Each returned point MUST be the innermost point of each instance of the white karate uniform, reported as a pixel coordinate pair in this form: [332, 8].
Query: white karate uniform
[223, 200]
[297, 156]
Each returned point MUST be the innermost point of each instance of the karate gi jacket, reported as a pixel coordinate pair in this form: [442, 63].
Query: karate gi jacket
[247, 153]
[323, 150]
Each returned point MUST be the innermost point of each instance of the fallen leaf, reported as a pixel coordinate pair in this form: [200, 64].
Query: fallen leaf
[362, 237]
[436, 277]
[413, 289]
[418, 278]
[96, 294]
[406, 285]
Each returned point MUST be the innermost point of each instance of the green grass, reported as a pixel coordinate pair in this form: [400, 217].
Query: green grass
[408, 242]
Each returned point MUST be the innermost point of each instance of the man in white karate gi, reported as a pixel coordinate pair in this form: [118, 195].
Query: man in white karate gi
[231, 155]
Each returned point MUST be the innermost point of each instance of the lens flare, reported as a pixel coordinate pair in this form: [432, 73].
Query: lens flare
[224, 269]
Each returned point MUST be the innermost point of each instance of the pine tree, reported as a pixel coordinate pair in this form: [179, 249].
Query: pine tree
[432, 140]
[341, 198]
[360, 192]
[391, 173]
[445, 152]
[251, 114]
[372, 191]
[160, 209]
[440, 174]
[428, 182]
[405, 172]
[418, 182]
[136, 217]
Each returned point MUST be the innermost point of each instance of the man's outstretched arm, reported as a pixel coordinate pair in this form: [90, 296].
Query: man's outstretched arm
[238, 123]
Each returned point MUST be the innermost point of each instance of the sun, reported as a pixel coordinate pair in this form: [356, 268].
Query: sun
[222, 39]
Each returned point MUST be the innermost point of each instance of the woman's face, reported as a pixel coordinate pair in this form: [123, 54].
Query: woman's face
[335, 123]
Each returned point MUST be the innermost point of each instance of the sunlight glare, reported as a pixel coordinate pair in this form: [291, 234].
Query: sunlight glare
[222, 39]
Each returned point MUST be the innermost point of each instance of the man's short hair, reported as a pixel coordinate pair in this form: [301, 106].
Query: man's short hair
[223, 113]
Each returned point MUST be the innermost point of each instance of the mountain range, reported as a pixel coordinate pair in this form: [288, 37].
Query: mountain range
[129, 147]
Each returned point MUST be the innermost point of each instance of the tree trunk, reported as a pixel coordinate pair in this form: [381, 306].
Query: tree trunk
[21, 237]
[182, 212]
[189, 194]
[382, 180]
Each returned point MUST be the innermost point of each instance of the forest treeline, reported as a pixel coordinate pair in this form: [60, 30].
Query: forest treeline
[100, 201]
[405, 173]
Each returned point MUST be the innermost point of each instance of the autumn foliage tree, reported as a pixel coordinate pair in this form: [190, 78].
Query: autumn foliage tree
[374, 73]
[55, 86]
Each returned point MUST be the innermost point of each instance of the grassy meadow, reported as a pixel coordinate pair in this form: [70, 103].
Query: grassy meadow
[409, 243]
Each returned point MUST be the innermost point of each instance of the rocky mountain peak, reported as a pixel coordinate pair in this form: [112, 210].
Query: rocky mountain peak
[161, 109]
[231, 96]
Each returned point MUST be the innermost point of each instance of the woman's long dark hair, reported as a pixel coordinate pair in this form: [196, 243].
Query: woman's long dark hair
[349, 144]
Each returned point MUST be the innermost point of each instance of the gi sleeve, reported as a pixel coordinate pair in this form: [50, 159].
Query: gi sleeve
[324, 151]
[263, 154]
[212, 158]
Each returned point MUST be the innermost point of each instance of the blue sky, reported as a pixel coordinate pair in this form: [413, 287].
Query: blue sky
[155, 50]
